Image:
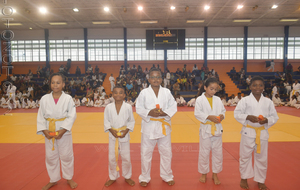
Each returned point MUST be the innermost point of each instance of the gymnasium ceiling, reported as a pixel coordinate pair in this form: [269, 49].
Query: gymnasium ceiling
[124, 13]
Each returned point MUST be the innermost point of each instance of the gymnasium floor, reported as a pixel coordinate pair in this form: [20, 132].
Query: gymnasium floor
[22, 153]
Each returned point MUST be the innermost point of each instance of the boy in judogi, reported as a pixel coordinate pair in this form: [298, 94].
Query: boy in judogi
[156, 105]
[257, 114]
[118, 121]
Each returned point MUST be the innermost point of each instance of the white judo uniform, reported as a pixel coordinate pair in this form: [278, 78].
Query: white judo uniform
[277, 101]
[152, 131]
[114, 120]
[180, 100]
[209, 142]
[250, 106]
[296, 88]
[65, 108]
[112, 82]
[192, 102]
[98, 103]
[11, 92]
[105, 102]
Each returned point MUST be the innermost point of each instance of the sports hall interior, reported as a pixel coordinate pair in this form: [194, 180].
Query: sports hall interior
[212, 38]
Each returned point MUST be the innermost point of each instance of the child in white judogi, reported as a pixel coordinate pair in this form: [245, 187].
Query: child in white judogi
[84, 101]
[112, 82]
[255, 133]
[98, 102]
[274, 90]
[106, 101]
[231, 101]
[11, 104]
[25, 104]
[180, 100]
[119, 120]
[2, 101]
[90, 103]
[210, 110]
[18, 104]
[111, 99]
[223, 99]
[192, 102]
[31, 104]
[238, 98]
[276, 100]
[11, 91]
[296, 88]
[129, 101]
[156, 106]
[55, 119]
[76, 102]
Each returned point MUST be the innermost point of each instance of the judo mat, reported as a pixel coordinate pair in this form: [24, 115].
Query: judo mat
[22, 153]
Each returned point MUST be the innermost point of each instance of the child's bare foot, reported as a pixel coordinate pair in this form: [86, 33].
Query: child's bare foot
[130, 182]
[72, 183]
[203, 178]
[244, 184]
[172, 182]
[216, 179]
[48, 186]
[144, 184]
[109, 183]
[262, 186]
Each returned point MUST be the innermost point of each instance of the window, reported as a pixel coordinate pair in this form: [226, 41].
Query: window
[28, 50]
[294, 48]
[225, 48]
[265, 48]
[106, 49]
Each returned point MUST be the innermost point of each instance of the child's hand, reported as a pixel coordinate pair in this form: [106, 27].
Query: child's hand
[161, 113]
[154, 112]
[213, 118]
[60, 133]
[114, 133]
[47, 135]
[252, 118]
[221, 117]
[265, 120]
[124, 132]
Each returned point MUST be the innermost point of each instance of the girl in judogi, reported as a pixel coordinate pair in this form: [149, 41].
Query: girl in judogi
[55, 119]
[18, 105]
[257, 114]
[76, 101]
[31, 104]
[119, 121]
[106, 101]
[276, 100]
[192, 102]
[25, 104]
[98, 102]
[156, 106]
[210, 110]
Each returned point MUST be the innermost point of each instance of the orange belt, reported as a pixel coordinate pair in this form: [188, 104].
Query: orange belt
[52, 127]
[257, 139]
[163, 123]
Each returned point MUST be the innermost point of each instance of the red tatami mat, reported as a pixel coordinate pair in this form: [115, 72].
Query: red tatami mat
[23, 167]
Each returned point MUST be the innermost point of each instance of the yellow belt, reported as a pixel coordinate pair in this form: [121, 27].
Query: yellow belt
[257, 139]
[117, 144]
[163, 123]
[52, 127]
[293, 92]
[213, 126]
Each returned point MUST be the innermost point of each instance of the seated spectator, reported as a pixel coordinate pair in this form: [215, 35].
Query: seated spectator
[176, 88]
[122, 69]
[223, 99]
[89, 70]
[129, 101]
[180, 100]
[276, 100]
[30, 74]
[77, 72]
[96, 70]
[27, 79]
[238, 98]
[195, 70]
[231, 101]
[192, 102]
[178, 73]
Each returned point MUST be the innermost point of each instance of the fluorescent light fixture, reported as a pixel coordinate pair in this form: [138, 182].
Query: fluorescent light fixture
[149, 22]
[240, 6]
[106, 9]
[172, 7]
[57, 23]
[242, 20]
[13, 24]
[274, 6]
[289, 20]
[43, 10]
[101, 22]
[75, 10]
[140, 8]
[206, 7]
[194, 21]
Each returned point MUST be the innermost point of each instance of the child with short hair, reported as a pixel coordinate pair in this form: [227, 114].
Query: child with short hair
[106, 101]
[257, 114]
[55, 119]
[119, 120]
[98, 102]
[180, 100]
[210, 111]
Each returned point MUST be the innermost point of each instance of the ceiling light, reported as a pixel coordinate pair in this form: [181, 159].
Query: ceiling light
[14, 10]
[289, 20]
[172, 7]
[13, 24]
[30, 28]
[57, 23]
[274, 6]
[75, 10]
[242, 20]
[43, 10]
[101, 22]
[140, 8]
[206, 7]
[194, 21]
[106, 9]
[149, 22]
[240, 6]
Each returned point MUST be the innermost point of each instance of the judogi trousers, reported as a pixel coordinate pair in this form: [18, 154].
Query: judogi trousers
[165, 151]
[63, 152]
[124, 151]
[247, 146]
[213, 144]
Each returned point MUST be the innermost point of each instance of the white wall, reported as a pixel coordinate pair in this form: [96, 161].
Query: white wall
[28, 34]
[66, 34]
[294, 31]
[110, 33]
[226, 32]
[266, 31]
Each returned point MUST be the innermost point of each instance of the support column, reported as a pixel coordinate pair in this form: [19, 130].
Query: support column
[165, 59]
[86, 50]
[245, 47]
[47, 48]
[125, 49]
[285, 47]
[205, 46]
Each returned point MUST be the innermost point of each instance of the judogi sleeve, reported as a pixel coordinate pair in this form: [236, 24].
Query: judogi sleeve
[172, 106]
[41, 121]
[199, 110]
[272, 117]
[239, 112]
[141, 108]
[71, 116]
[107, 117]
[130, 121]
